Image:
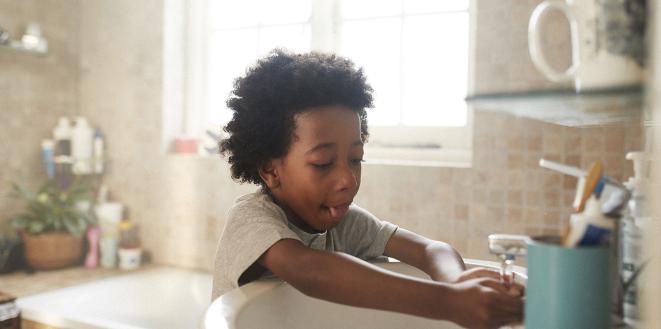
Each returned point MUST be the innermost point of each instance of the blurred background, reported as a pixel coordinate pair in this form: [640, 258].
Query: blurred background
[150, 78]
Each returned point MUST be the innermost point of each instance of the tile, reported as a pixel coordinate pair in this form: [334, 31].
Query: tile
[515, 178]
[515, 161]
[533, 198]
[551, 199]
[515, 197]
[461, 212]
[593, 141]
[534, 143]
[514, 215]
[552, 143]
[497, 197]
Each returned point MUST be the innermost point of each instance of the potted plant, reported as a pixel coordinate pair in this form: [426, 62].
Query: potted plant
[53, 224]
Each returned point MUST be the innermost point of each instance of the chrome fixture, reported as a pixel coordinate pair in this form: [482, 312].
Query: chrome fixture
[31, 41]
[507, 247]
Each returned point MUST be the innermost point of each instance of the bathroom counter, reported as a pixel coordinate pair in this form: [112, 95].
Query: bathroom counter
[125, 301]
[21, 284]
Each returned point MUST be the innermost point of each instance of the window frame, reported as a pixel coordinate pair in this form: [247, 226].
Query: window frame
[403, 145]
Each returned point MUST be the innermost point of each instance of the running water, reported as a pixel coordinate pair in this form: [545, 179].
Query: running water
[506, 272]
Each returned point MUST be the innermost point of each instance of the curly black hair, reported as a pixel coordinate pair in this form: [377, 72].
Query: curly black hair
[279, 86]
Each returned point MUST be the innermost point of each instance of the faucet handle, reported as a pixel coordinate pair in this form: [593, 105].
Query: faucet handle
[4, 36]
[508, 245]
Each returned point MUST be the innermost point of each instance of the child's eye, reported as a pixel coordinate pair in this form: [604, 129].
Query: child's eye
[357, 161]
[322, 165]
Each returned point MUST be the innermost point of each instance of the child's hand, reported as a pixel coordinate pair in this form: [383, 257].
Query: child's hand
[515, 289]
[477, 272]
[487, 303]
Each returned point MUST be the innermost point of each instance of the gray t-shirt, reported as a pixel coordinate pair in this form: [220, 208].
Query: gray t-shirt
[255, 223]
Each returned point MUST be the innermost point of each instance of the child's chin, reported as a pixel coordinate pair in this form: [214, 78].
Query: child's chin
[327, 224]
[332, 222]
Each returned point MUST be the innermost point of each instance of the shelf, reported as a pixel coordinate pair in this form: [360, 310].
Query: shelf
[567, 107]
[37, 48]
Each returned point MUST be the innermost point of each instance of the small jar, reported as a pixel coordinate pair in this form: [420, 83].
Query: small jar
[129, 246]
[10, 314]
[128, 235]
[129, 258]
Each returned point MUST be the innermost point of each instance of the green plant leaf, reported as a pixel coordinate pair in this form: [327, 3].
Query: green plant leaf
[21, 193]
[74, 225]
[89, 218]
[52, 208]
[80, 192]
[36, 227]
[20, 221]
[49, 187]
[37, 209]
[58, 225]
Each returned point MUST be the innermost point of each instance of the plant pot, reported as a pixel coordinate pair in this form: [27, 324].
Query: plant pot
[52, 250]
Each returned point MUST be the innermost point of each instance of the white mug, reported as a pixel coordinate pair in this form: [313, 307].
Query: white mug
[594, 64]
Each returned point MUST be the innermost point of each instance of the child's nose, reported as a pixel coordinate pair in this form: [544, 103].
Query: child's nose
[347, 178]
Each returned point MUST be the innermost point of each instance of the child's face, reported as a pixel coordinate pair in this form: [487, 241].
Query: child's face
[318, 178]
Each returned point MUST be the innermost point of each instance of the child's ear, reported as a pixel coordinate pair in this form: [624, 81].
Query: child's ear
[269, 174]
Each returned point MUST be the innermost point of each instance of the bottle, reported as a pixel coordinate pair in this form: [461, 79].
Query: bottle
[62, 137]
[92, 258]
[129, 246]
[48, 154]
[62, 159]
[591, 227]
[98, 152]
[632, 226]
[109, 215]
[81, 146]
[128, 235]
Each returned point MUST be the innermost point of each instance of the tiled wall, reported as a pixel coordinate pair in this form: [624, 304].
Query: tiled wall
[506, 190]
[180, 202]
[34, 90]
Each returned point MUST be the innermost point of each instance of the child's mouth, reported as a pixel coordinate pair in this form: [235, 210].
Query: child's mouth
[338, 211]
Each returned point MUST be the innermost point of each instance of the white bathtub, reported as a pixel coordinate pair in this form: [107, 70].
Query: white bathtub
[159, 298]
[275, 304]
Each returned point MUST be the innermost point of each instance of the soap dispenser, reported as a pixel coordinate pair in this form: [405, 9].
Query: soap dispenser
[81, 146]
[62, 137]
[62, 152]
[632, 225]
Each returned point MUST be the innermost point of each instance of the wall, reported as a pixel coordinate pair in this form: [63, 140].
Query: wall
[651, 288]
[34, 89]
[180, 202]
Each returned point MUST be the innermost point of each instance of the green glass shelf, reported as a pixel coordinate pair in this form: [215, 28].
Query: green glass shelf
[567, 107]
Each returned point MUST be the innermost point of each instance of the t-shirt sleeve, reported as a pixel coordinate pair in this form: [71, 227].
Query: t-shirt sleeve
[364, 235]
[249, 232]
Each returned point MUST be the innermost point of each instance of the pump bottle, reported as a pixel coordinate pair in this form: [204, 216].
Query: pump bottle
[632, 225]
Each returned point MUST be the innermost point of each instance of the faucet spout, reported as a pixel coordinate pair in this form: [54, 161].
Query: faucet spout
[507, 247]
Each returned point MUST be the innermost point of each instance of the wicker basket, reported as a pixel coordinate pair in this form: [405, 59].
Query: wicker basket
[53, 250]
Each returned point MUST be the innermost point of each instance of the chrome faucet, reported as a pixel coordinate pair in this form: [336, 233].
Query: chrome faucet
[507, 247]
[32, 40]
[4, 36]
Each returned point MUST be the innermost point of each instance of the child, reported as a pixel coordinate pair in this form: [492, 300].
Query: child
[298, 130]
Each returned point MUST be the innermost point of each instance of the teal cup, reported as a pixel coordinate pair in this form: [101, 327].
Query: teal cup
[567, 287]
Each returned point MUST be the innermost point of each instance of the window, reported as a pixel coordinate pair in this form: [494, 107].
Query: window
[415, 54]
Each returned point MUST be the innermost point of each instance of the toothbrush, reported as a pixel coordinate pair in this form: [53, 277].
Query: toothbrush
[591, 181]
[574, 171]
[581, 175]
[563, 168]
[571, 171]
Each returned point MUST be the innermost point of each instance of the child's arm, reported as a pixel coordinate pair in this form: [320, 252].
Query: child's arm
[438, 259]
[341, 278]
